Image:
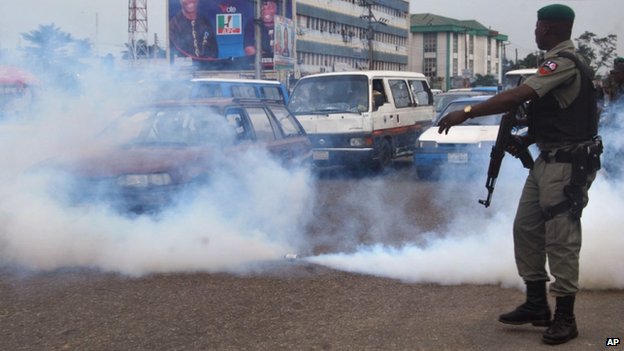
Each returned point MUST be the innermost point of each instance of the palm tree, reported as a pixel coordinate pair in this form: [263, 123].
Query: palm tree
[56, 54]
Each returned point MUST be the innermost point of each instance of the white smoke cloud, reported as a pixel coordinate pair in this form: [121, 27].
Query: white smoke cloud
[259, 211]
[251, 212]
[476, 246]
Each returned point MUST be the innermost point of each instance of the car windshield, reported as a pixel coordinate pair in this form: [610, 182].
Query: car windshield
[330, 94]
[173, 125]
[479, 121]
[441, 100]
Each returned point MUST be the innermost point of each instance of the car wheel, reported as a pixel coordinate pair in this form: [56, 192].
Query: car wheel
[384, 160]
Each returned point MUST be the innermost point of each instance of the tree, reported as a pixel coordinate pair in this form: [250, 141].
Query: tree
[55, 54]
[484, 81]
[49, 46]
[599, 52]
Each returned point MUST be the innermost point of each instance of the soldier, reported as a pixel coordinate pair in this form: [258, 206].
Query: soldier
[563, 122]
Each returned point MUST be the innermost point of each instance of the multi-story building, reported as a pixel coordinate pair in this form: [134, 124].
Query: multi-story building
[452, 52]
[335, 35]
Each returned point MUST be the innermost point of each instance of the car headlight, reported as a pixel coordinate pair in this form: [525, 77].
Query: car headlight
[427, 144]
[144, 180]
[361, 142]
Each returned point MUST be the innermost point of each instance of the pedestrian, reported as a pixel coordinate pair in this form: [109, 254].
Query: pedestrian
[614, 84]
[192, 34]
[563, 122]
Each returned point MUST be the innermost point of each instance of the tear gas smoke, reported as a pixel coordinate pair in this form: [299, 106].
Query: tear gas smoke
[253, 211]
[477, 246]
[258, 211]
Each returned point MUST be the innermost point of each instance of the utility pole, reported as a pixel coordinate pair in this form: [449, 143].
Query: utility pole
[137, 28]
[370, 33]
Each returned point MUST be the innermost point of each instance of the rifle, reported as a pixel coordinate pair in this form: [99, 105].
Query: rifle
[503, 138]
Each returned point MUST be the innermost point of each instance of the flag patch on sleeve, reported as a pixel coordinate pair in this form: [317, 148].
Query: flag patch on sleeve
[548, 67]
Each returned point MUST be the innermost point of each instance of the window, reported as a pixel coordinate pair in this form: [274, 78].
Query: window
[421, 91]
[400, 93]
[271, 93]
[287, 121]
[234, 118]
[209, 90]
[429, 68]
[261, 124]
[430, 42]
[243, 91]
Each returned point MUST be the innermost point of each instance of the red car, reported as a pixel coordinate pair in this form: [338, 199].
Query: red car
[154, 152]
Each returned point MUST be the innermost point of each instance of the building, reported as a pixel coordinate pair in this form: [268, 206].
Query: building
[452, 52]
[337, 35]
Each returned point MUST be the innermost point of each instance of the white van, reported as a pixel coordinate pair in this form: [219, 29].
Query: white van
[362, 118]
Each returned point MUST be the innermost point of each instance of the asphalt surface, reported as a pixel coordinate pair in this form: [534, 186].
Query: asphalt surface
[288, 305]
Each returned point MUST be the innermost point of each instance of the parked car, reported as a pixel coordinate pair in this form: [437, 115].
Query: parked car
[466, 145]
[442, 100]
[156, 151]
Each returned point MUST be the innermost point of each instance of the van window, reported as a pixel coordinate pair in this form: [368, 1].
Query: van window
[272, 93]
[330, 94]
[209, 90]
[421, 90]
[243, 91]
[400, 93]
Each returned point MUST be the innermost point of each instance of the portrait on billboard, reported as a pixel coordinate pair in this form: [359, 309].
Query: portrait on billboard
[191, 33]
[220, 34]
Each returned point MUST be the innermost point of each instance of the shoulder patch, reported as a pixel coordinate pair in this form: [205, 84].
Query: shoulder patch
[548, 67]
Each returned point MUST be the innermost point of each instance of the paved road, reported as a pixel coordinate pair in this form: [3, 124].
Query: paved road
[288, 304]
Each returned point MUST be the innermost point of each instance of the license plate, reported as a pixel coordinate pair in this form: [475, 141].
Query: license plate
[458, 157]
[320, 155]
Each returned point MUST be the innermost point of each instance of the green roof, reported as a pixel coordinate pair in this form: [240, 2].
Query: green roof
[427, 22]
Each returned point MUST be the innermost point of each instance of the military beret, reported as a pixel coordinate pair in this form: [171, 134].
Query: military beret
[555, 12]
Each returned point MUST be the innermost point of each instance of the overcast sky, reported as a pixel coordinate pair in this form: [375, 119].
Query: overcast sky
[105, 22]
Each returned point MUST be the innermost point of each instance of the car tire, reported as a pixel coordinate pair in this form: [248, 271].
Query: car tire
[384, 159]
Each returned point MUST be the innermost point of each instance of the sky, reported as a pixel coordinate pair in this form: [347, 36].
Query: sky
[105, 22]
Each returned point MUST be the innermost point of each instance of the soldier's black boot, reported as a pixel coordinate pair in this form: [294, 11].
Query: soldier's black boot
[535, 310]
[563, 327]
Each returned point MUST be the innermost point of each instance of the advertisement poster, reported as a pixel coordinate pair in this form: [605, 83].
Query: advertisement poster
[284, 38]
[219, 34]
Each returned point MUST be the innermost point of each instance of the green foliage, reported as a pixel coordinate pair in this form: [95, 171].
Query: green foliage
[599, 52]
[56, 55]
[49, 46]
[484, 81]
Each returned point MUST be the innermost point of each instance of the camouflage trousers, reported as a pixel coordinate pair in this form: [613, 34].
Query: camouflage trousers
[557, 240]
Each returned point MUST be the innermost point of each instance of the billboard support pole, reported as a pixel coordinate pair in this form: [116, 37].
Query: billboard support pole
[258, 35]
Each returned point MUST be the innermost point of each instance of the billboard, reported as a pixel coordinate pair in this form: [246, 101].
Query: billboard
[283, 39]
[220, 34]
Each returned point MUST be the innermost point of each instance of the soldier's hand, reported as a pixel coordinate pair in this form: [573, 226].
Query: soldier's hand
[515, 146]
[452, 119]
